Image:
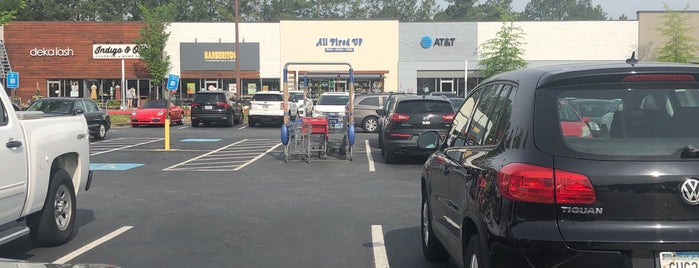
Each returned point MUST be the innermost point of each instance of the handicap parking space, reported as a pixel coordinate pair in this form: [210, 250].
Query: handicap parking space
[232, 157]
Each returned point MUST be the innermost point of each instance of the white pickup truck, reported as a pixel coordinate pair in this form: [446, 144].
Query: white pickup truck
[45, 164]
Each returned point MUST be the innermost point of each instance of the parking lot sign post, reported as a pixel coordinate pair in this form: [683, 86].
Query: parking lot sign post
[173, 82]
[13, 82]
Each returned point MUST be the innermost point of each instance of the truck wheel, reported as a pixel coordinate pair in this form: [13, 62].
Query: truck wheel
[54, 224]
[102, 132]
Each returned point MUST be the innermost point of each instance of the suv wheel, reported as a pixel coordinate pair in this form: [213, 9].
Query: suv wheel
[474, 256]
[431, 248]
[370, 124]
[195, 123]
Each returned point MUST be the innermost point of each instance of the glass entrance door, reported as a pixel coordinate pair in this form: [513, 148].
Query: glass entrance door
[446, 85]
[212, 85]
[54, 88]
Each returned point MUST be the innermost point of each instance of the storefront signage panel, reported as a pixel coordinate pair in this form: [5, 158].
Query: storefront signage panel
[219, 56]
[51, 52]
[334, 44]
[428, 42]
[108, 51]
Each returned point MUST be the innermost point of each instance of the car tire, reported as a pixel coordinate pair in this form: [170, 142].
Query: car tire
[370, 124]
[238, 119]
[474, 256]
[230, 123]
[101, 132]
[54, 224]
[251, 122]
[431, 247]
[195, 123]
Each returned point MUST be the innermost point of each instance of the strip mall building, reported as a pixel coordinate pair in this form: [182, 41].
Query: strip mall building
[60, 58]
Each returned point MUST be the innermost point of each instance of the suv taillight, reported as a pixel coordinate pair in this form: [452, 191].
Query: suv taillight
[396, 117]
[223, 105]
[529, 183]
[448, 117]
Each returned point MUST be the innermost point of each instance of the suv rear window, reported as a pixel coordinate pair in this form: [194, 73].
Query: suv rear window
[628, 121]
[423, 106]
[267, 97]
[210, 97]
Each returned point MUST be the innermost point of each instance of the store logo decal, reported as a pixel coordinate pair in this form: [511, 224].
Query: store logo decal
[427, 42]
[52, 52]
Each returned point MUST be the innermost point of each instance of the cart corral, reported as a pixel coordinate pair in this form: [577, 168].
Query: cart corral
[320, 137]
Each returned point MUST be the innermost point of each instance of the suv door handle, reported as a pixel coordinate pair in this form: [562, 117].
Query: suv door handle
[13, 144]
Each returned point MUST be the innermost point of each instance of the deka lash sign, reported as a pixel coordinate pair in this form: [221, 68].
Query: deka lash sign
[106, 51]
[51, 52]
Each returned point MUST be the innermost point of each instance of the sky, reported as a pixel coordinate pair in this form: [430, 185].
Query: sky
[616, 8]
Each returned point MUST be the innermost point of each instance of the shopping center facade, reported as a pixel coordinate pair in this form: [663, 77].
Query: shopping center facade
[60, 58]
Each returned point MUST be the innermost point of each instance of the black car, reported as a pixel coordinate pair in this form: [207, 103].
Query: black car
[216, 106]
[508, 188]
[97, 119]
[409, 117]
[382, 113]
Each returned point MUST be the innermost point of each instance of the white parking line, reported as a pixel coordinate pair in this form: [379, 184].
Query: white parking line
[368, 155]
[126, 147]
[258, 157]
[380, 257]
[92, 245]
[183, 127]
[204, 155]
[242, 127]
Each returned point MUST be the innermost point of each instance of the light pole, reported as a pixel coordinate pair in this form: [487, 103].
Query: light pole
[238, 86]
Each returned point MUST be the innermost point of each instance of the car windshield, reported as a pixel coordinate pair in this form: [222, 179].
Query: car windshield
[155, 104]
[52, 106]
[622, 121]
[333, 100]
[267, 97]
[296, 95]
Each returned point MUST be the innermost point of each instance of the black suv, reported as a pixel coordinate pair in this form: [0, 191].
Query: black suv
[508, 187]
[409, 117]
[215, 106]
[98, 120]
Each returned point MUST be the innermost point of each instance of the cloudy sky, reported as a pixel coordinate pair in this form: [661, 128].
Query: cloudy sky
[616, 8]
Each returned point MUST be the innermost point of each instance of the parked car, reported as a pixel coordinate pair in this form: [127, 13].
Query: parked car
[267, 107]
[331, 103]
[597, 113]
[365, 106]
[383, 112]
[410, 117]
[301, 106]
[572, 123]
[155, 112]
[448, 94]
[456, 102]
[508, 187]
[215, 106]
[98, 120]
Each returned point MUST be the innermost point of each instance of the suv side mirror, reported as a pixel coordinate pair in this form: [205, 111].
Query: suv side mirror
[428, 140]
[79, 111]
[381, 112]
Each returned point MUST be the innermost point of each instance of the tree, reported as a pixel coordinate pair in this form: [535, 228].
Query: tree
[9, 9]
[503, 53]
[680, 45]
[556, 10]
[153, 39]
[458, 10]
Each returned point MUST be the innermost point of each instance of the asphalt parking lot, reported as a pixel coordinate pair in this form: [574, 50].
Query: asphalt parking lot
[224, 197]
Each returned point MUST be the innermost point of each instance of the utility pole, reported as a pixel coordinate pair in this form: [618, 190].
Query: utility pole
[238, 86]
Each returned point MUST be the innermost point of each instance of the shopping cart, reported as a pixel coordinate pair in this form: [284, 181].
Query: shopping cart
[341, 135]
[305, 137]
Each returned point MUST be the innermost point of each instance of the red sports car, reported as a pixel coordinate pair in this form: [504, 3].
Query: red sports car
[153, 113]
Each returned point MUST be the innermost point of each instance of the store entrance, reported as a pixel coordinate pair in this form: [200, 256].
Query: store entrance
[54, 88]
[446, 85]
[212, 85]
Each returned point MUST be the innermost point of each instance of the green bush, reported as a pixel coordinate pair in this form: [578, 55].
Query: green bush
[113, 104]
